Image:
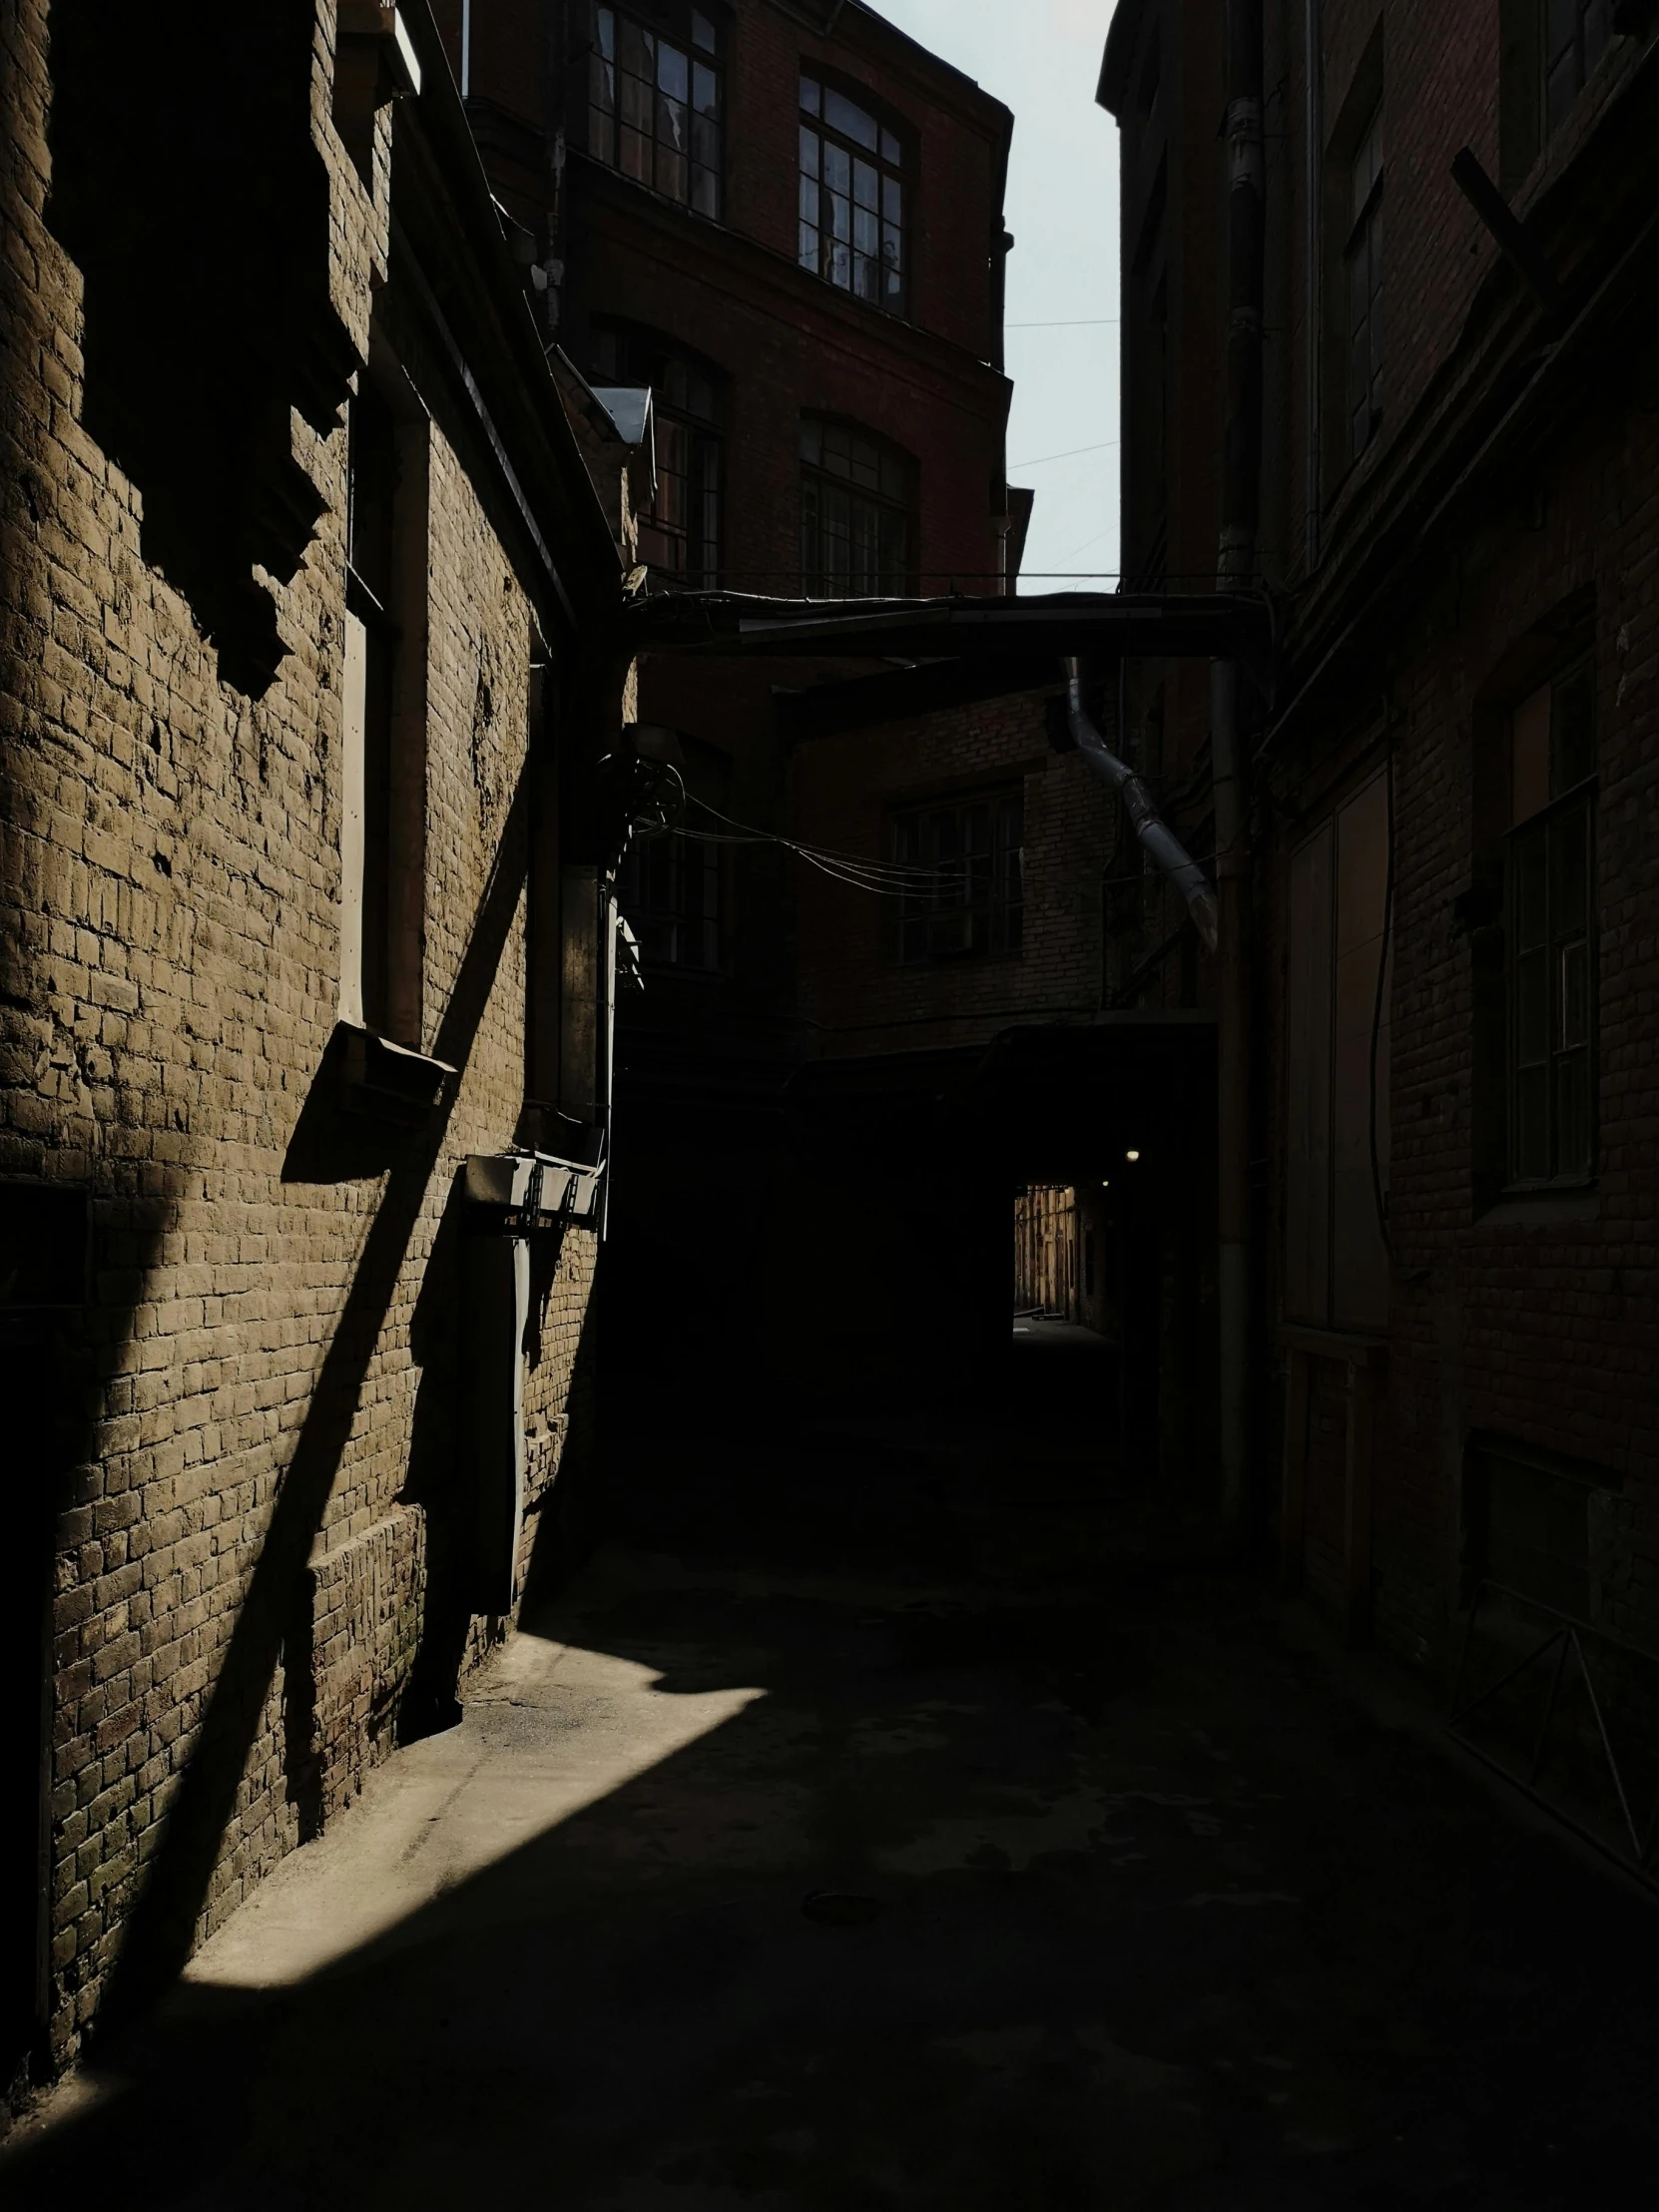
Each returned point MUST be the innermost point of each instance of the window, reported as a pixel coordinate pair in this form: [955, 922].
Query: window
[1363, 287]
[670, 886]
[857, 500]
[680, 532]
[1575, 35]
[1537, 1522]
[1548, 53]
[975, 899]
[1551, 982]
[654, 104]
[851, 198]
[1337, 1059]
[383, 829]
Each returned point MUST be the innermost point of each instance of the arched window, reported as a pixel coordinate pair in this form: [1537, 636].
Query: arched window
[680, 532]
[858, 513]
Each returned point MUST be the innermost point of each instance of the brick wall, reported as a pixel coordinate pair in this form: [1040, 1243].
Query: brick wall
[1532, 1319]
[855, 994]
[240, 1568]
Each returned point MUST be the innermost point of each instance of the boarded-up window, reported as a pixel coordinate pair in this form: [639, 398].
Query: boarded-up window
[1337, 1055]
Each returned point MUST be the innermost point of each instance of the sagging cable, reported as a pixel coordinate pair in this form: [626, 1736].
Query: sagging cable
[1165, 848]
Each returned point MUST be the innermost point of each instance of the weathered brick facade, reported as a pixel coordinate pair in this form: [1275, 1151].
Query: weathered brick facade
[1495, 522]
[637, 284]
[859, 996]
[257, 1457]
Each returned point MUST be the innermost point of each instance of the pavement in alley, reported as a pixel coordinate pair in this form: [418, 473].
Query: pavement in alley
[932, 1826]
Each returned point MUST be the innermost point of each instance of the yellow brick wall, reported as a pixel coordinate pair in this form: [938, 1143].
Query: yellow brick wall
[168, 960]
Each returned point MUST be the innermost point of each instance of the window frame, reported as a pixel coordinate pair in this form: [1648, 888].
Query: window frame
[922, 917]
[1546, 827]
[654, 882]
[640, 356]
[1577, 53]
[693, 35]
[1363, 254]
[820, 483]
[894, 172]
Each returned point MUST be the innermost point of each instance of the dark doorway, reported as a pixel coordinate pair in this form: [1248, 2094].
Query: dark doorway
[30, 1464]
[43, 1272]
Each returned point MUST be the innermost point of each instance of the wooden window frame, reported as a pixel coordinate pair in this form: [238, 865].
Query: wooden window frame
[988, 922]
[688, 406]
[878, 486]
[831, 148]
[680, 152]
[1559, 947]
[672, 887]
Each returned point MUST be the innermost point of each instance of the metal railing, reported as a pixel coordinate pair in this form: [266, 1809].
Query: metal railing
[1563, 1637]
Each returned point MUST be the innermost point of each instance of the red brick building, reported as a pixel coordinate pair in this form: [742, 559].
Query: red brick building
[1454, 910]
[793, 236]
[306, 608]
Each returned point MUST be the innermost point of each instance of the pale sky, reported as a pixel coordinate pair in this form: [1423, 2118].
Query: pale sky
[1042, 59]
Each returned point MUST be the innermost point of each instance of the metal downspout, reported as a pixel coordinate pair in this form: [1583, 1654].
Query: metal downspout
[1314, 191]
[1236, 565]
[1165, 848]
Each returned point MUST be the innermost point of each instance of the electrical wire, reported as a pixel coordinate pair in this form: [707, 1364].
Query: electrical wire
[879, 878]
[1042, 460]
[899, 871]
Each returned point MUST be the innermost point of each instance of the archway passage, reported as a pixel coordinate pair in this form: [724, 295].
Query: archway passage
[856, 1284]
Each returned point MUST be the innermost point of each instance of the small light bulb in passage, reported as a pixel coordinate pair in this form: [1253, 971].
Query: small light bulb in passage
[1131, 1155]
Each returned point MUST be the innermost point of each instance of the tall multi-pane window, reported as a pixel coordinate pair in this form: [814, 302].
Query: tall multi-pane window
[1363, 273]
[680, 530]
[1576, 33]
[654, 104]
[971, 894]
[671, 887]
[1551, 932]
[858, 508]
[852, 208]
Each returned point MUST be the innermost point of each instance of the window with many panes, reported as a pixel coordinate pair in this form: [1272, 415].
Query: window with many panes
[858, 513]
[671, 884]
[967, 891]
[1363, 282]
[680, 530]
[656, 105]
[1575, 35]
[1551, 932]
[852, 198]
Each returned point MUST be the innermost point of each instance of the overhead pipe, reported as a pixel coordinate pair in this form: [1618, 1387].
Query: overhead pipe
[1142, 808]
[1236, 565]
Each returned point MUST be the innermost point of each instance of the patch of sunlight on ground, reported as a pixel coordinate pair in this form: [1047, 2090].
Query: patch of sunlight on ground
[548, 1728]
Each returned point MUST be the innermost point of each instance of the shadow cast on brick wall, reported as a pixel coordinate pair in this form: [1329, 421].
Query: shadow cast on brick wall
[188, 189]
[275, 1621]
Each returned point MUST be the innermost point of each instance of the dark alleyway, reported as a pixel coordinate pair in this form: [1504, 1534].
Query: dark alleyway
[1131, 1900]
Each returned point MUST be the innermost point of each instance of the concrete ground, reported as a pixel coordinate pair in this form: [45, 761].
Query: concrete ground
[921, 1823]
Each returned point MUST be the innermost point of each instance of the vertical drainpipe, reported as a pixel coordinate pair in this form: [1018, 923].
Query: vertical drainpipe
[1313, 189]
[1240, 515]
